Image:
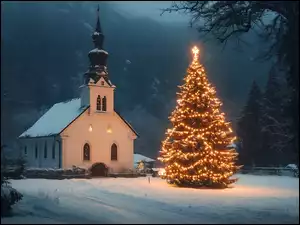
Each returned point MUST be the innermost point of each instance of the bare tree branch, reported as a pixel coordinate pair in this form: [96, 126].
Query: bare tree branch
[226, 19]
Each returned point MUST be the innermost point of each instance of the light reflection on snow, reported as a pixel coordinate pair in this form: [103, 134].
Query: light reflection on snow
[253, 199]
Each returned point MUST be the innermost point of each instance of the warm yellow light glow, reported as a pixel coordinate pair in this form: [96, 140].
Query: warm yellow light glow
[90, 128]
[109, 130]
[195, 51]
[195, 149]
[161, 172]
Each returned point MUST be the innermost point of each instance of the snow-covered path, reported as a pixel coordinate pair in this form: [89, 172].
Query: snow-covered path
[254, 199]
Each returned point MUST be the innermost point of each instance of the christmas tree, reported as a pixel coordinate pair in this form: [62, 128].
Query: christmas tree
[195, 151]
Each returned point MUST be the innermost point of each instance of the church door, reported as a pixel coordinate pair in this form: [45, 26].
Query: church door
[99, 170]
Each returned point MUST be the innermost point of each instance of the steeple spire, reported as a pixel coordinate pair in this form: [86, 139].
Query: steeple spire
[97, 56]
[97, 36]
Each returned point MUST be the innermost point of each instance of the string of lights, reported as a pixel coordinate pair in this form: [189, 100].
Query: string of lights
[195, 151]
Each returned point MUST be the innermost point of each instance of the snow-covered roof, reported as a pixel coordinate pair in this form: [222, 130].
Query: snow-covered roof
[98, 51]
[58, 117]
[138, 157]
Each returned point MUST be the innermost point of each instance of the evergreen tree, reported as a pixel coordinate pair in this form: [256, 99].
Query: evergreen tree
[195, 150]
[274, 127]
[249, 129]
[9, 195]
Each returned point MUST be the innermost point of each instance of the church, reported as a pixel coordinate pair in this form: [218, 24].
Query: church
[84, 131]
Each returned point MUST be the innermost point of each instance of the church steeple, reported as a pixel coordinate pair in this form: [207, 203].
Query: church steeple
[98, 26]
[98, 36]
[97, 90]
[97, 56]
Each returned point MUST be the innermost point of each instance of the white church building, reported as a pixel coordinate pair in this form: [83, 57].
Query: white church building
[83, 131]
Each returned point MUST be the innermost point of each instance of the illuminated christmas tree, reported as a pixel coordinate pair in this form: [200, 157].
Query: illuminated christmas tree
[195, 151]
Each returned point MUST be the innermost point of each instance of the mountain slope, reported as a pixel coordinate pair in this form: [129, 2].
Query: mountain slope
[44, 55]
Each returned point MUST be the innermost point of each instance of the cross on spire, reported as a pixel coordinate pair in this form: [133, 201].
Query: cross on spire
[98, 36]
[97, 56]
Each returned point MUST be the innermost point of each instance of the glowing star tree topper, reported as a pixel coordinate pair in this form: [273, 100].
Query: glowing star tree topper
[195, 51]
[195, 151]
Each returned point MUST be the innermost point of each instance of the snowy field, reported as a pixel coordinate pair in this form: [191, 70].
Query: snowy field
[254, 199]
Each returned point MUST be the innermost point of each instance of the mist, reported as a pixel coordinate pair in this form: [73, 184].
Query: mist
[151, 10]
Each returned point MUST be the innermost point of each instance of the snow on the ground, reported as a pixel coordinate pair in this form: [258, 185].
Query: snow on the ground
[254, 199]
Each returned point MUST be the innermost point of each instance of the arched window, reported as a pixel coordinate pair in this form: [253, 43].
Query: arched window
[36, 151]
[45, 150]
[104, 103]
[86, 152]
[99, 103]
[114, 152]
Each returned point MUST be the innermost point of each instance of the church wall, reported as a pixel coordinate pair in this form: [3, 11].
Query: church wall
[102, 91]
[100, 141]
[107, 127]
[40, 161]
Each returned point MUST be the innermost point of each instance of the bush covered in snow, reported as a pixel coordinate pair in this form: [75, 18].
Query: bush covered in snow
[43, 173]
[52, 173]
[294, 168]
[76, 171]
[9, 196]
[127, 173]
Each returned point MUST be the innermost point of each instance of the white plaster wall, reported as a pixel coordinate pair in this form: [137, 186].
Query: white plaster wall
[105, 90]
[77, 134]
[40, 161]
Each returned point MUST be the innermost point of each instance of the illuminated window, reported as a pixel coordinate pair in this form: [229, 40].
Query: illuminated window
[104, 103]
[86, 152]
[114, 152]
[99, 103]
